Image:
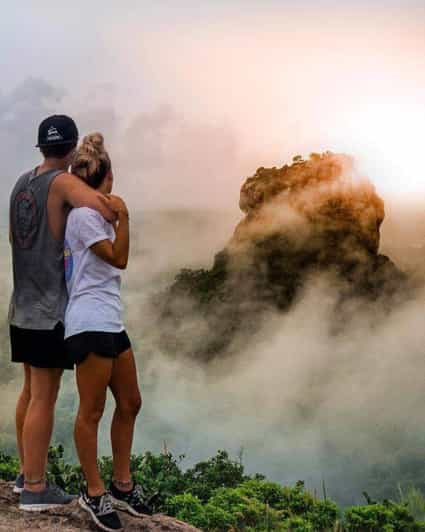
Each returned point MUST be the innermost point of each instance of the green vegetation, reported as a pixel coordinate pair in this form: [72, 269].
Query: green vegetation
[217, 496]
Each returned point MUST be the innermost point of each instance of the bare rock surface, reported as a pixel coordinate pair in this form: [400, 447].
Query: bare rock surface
[72, 518]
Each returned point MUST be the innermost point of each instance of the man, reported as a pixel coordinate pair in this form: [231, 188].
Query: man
[39, 205]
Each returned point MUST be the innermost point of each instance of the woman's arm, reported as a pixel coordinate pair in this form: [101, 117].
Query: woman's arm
[116, 253]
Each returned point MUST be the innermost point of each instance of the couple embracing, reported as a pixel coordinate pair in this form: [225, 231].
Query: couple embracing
[70, 240]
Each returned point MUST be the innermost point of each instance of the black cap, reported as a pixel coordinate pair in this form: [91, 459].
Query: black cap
[57, 129]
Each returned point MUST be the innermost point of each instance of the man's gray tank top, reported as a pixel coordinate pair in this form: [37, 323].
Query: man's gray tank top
[39, 295]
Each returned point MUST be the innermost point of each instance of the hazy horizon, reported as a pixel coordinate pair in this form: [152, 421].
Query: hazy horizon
[193, 97]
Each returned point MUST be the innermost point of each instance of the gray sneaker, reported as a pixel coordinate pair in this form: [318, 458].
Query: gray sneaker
[52, 497]
[19, 484]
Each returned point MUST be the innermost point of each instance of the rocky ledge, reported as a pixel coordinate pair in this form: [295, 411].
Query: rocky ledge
[72, 518]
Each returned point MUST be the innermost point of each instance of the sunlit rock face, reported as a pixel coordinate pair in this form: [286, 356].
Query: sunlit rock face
[315, 214]
[337, 207]
[313, 217]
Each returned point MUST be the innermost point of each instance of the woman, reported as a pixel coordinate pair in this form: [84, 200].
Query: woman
[95, 252]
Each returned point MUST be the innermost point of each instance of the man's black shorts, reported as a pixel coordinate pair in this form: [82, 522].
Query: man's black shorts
[40, 348]
[105, 344]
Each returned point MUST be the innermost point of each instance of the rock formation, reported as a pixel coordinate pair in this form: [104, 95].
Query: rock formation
[315, 216]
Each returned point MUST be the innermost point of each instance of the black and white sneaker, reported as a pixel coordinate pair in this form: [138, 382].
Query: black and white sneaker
[133, 502]
[101, 511]
[18, 487]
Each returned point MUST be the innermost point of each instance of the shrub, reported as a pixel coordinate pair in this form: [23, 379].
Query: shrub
[9, 467]
[380, 517]
[188, 508]
[67, 476]
[267, 492]
[246, 511]
[218, 519]
[415, 501]
[159, 475]
[219, 471]
[298, 524]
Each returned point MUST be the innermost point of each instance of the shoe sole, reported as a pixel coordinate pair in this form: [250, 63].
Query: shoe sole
[95, 519]
[125, 507]
[39, 507]
[17, 490]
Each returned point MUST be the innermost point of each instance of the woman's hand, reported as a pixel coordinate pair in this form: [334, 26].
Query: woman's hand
[117, 205]
[116, 252]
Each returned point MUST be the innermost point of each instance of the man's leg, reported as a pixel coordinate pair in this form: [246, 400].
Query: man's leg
[93, 376]
[126, 392]
[21, 412]
[38, 424]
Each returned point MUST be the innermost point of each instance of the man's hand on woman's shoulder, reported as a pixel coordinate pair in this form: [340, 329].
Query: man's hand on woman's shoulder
[117, 205]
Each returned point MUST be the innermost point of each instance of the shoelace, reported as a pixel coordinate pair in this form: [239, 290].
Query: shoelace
[105, 504]
[137, 494]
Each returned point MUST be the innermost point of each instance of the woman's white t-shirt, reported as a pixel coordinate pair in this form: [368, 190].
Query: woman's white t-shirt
[93, 284]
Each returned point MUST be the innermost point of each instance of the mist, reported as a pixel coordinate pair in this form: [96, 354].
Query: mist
[191, 101]
[300, 403]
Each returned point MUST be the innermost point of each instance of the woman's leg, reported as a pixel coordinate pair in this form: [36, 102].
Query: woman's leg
[128, 400]
[93, 376]
[21, 412]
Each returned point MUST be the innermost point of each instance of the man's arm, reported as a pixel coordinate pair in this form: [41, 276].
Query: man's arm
[74, 192]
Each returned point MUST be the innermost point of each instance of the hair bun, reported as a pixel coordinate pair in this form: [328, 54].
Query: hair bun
[93, 143]
[91, 158]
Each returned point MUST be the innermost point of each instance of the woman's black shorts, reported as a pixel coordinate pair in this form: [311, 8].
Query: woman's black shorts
[105, 344]
[40, 348]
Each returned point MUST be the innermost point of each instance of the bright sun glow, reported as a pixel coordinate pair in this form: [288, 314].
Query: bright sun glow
[388, 143]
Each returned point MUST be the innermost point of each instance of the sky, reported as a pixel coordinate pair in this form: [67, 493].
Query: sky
[276, 78]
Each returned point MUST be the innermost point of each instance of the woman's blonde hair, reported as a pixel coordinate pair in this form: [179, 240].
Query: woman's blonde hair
[91, 162]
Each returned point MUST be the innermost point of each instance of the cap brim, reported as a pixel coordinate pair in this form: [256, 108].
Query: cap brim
[58, 143]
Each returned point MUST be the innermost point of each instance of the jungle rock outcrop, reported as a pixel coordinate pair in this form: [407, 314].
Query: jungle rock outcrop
[313, 217]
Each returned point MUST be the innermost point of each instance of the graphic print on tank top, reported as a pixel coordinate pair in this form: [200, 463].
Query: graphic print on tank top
[25, 223]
